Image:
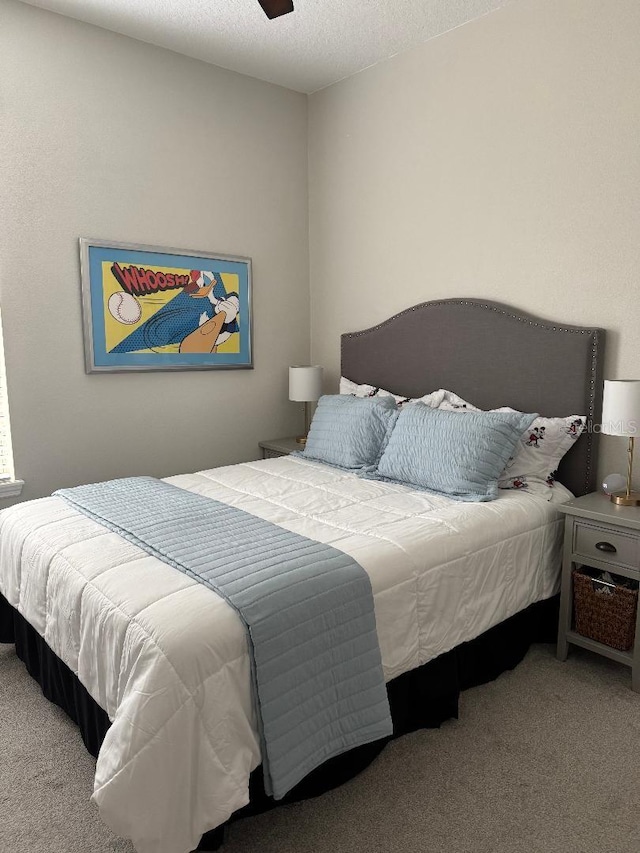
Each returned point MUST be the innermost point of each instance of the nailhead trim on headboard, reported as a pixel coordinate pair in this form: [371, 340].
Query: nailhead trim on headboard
[521, 318]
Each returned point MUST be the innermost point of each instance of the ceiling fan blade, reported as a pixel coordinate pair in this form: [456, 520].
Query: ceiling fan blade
[275, 8]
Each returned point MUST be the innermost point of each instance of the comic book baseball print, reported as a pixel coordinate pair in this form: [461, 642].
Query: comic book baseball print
[148, 308]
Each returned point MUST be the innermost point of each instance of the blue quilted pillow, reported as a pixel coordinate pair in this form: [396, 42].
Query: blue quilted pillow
[458, 454]
[350, 432]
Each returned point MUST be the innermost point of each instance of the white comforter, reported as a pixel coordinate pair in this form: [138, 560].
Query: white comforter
[167, 658]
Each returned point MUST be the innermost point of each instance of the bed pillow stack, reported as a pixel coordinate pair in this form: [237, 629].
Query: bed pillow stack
[451, 453]
[439, 442]
[350, 432]
[460, 455]
[538, 453]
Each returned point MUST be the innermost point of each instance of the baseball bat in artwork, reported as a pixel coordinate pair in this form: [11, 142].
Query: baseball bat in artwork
[204, 338]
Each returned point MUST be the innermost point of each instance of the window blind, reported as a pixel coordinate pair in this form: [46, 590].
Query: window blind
[7, 473]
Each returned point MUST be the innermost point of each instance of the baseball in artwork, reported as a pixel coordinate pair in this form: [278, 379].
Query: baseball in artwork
[148, 308]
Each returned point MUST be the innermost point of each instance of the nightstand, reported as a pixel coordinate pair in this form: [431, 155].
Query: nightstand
[601, 535]
[279, 447]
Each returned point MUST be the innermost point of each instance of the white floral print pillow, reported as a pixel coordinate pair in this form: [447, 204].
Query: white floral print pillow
[349, 387]
[539, 452]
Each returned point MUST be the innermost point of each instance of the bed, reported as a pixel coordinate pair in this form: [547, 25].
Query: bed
[124, 642]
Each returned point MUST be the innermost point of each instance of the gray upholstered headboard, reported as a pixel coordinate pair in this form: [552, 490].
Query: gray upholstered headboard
[491, 355]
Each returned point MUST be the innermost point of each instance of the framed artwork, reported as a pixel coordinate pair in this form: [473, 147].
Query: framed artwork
[150, 308]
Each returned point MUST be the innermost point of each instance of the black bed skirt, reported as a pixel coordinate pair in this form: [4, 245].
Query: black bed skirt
[422, 698]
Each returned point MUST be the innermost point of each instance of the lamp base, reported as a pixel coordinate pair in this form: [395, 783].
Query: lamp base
[622, 499]
[301, 439]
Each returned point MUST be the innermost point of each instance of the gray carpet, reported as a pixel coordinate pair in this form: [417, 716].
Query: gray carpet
[544, 760]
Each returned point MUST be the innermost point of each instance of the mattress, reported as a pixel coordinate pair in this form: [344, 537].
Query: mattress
[167, 658]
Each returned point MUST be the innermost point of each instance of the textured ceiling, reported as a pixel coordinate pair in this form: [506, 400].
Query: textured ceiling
[321, 42]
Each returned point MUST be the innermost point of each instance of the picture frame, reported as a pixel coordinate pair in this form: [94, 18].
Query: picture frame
[154, 308]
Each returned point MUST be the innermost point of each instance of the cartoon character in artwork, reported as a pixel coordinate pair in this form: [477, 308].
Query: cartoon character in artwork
[535, 437]
[216, 329]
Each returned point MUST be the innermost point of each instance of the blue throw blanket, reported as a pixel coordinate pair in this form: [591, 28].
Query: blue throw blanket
[308, 609]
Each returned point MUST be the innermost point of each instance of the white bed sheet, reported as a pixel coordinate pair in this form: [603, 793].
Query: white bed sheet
[167, 658]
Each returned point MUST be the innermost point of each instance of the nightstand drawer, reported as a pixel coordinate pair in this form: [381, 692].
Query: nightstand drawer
[605, 545]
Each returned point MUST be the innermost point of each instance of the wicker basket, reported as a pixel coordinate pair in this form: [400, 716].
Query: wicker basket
[608, 616]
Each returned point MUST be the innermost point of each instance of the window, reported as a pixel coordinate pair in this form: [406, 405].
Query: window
[8, 484]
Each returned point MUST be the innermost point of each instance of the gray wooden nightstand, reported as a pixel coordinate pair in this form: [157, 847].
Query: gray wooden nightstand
[604, 536]
[279, 447]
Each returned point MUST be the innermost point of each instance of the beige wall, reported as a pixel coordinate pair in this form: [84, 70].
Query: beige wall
[103, 136]
[501, 161]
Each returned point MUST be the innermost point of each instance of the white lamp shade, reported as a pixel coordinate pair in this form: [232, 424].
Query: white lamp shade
[621, 407]
[305, 384]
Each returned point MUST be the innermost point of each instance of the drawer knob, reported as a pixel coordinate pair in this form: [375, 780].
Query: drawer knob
[606, 546]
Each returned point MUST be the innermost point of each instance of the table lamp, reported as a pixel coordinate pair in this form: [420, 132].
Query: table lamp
[621, 416]
[305, 386]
